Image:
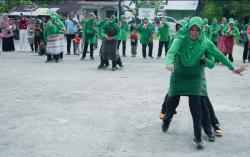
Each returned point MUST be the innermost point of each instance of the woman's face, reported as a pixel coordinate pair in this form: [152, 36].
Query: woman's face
[223, 21]
[231, 25]
[194, 32]
[111, 19]
[178, 26]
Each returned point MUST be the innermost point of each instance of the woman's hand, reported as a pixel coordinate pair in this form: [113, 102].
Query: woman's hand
[240, 69]
[170, 67]
[106, 37]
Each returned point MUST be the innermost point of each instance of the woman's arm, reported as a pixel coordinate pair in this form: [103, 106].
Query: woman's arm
[172, 51]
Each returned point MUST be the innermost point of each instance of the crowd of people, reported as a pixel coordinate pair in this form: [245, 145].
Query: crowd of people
[86, 33]
[195, 46]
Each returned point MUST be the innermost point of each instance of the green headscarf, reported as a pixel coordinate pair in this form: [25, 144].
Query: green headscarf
[113, 21]
[193, 48]
[225, 19]
[49, 25]
[231, 21]
[214, 22]
[182, 22]
[205, 21]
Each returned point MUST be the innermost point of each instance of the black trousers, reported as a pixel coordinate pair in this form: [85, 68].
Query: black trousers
[198, 109]
[37, 40]
[123, 46]
[246, 51]
[150, 47]
[50, 57]
[86, 48]
[69, 38]
[119, 61]
[213, 119]
[161, 44]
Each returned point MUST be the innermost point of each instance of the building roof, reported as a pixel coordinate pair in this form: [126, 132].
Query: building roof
[71, 6]
[181, 5]
[100, 3]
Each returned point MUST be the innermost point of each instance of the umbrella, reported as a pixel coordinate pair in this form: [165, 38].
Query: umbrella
[47, 11]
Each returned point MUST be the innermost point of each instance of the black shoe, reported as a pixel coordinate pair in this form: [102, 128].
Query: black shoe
[198, 143]
[67, 53]
[120, 65]
[114, 68]
[57, 61]
[210, 137]
[151, 57]
[165, 124]
[82, 58]
[230, 57]
[124, 55]
[105, 66]
[244, 61]
[100, 66]
[217, 131]
[92, 58]
[145, 57]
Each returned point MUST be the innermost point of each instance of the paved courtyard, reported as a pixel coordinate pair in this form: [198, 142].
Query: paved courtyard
[72, 109]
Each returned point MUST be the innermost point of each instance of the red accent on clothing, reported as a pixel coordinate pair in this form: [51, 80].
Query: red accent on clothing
[134, 37]
[76, 40]
[22, 24]
[229, 44]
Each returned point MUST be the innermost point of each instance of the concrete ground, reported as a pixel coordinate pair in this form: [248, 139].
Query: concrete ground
[71, 109]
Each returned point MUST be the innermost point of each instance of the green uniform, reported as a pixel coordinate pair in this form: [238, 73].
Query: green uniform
[100, 27]
[208, 29]
[59, 24]
[185, 54]
[244, 29]
[163, 32]
[215, 28]
[90, 31]
[123, 30]
[50, 29]
[145, 33]
[235, 31]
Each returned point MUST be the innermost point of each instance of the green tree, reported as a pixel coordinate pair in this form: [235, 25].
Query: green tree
[158, 5]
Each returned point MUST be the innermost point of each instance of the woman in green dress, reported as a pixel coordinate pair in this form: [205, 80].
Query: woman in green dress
[123, 35]
[110, 34]
[90, 31]
[188, 76]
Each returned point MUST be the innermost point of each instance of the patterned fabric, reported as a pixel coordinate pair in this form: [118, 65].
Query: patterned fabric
[55, 44]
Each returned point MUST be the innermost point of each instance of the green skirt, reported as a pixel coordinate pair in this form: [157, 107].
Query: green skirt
[187, 80]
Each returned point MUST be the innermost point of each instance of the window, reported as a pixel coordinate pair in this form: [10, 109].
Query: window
[110, 13]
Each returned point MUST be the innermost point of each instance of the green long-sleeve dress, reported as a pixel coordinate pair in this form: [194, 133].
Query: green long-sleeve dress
[90, 31]
[164, 31]
[109, 47]
[123, 30]
[145, 32]
[188, 77]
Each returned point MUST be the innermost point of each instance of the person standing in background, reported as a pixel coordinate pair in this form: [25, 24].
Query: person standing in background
[31, 34]
[146, 31]
[22, 25]
[7, 35]
[246, 53]
[164, 36]
[71, 29]
[215, 34]
[231, 32]
[123, 35]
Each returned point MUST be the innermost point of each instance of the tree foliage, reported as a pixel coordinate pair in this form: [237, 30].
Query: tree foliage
[239, 9]
[9, 4]
[158, 5]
